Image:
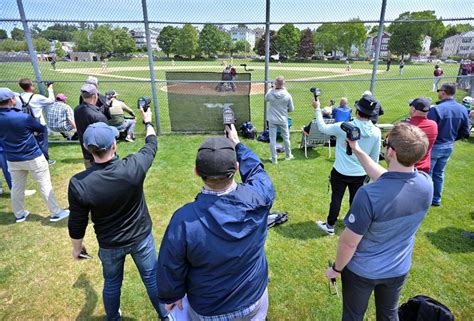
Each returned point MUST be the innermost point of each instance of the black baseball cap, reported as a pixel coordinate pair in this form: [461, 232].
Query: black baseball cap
[216, 158]
[422, 104]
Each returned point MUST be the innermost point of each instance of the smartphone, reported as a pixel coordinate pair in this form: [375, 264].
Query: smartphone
[84, 255]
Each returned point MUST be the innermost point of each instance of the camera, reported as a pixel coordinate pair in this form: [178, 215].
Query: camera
[144, 103]
[352, 133]
[47, 83]
[316, 92]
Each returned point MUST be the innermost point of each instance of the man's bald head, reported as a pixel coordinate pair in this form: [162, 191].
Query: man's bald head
[279, 82]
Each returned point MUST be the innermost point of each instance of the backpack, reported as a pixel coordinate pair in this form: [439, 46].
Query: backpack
[424, 308]
[248, 130]
[276, 218]
[25, 106]
[264, 136]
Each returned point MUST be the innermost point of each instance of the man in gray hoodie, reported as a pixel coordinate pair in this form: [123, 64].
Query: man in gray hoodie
[280, 103]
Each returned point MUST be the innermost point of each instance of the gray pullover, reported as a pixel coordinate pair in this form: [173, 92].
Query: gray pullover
[280, 104]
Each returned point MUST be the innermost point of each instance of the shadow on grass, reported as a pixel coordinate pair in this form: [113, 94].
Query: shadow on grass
[302, 230]
[91, 300]
[451, 240]
[7, 218]
[72, 161]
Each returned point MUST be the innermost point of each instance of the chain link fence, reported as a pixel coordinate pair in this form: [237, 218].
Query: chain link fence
[131, 45]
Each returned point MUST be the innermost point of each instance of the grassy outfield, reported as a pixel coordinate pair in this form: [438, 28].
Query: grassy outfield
[393, 94]
[39, 279]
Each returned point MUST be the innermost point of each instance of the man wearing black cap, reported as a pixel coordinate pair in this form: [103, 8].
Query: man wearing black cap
[419, 109]
[213, 249]
[112, 191]
[85, 114]
[347, 170]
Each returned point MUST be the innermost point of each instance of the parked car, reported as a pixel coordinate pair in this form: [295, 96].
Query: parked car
[450, 61]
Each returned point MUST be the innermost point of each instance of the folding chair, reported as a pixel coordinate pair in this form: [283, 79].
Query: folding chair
[316, 138]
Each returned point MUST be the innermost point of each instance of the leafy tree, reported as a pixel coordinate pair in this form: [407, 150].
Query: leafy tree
[187, 41]
[260, 47]
[405, 40]
[35, 31]
[60, 53]
[122, 41]
[326, 38]
[81, 40]
[352, 33]
[41, 44]
[452, 30]
[211, 39]
[228, 45]
[242, 46]
[435, 29]
[60, 32]
[287, 40]
[102, 40]
[17, 34]
[166, 38]
[8, 45]
[3, 34]
[306, 48]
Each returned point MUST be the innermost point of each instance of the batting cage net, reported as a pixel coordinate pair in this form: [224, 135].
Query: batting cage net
[196, 99]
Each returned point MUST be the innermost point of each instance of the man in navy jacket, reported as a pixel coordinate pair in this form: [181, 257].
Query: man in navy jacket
[213, 249]
[453, 124]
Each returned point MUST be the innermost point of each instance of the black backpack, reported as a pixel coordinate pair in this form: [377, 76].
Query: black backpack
[264, 136]
[424, 308]
[248, 130]
[25, 106]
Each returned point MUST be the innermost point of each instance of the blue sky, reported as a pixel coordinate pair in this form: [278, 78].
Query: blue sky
[227, 10]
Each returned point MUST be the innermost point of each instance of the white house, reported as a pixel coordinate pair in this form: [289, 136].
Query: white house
[425, 47]
[451, 46]
[243, 34]
[371, 43]
[139, 36]
[466, 47]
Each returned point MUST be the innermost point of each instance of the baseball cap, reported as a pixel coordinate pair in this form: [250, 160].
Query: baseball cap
[111, 93]
[61, 97]
[92, 80]
[216, 158]
[422, 104]
[90, 89]
[367, 105]
[6, 94]
[100, 135]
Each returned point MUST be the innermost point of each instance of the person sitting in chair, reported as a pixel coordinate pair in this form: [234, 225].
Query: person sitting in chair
[117, 108]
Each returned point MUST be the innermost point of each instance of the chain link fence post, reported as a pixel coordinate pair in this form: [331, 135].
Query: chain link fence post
[379, 45]
[151, 66]
[31, 49]
[267, 61]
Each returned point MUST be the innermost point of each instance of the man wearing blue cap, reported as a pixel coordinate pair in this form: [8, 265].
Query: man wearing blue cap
[17, 133]
[112, 191]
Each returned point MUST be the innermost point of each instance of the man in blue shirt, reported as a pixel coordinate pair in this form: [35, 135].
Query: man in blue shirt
[453, 124]
[213, 249]
[375, 249]
[343, 112]
[17, 133]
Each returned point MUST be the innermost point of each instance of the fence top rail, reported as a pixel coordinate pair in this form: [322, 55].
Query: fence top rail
[230, 23]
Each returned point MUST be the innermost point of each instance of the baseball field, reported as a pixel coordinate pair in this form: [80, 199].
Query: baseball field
[39, 280]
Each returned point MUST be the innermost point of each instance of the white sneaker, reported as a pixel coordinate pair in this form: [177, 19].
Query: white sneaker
[61, 215]
[23, 217]
[325, 227]
[273, 160]
[29, 192]
[290, 157]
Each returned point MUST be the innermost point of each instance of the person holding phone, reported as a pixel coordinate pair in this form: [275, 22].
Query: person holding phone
[111, 190]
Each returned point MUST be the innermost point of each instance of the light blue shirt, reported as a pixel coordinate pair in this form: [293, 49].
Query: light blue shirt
[369, 142]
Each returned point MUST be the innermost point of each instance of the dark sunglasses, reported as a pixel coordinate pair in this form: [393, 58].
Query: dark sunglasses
[386, 143]
[439, 90]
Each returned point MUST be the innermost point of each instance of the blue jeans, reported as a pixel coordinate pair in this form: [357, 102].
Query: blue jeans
[144, 256]
[6, 173]
[439, 158]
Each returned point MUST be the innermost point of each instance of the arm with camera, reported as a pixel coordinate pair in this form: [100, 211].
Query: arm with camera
[328, 129]
[372, 168]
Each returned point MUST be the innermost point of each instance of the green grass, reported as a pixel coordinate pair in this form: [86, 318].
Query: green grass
[393, 94]
[39, 280]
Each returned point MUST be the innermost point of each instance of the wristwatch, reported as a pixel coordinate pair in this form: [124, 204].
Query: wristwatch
[333, 267]
[149, 123]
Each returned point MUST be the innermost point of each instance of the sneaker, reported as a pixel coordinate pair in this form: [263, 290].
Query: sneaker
[29, 192]
[326, 227]
[435, 204]
[51, 162]
[129, 139]
[290, 157]
[62, 214]
[273, 160]
[23, 217]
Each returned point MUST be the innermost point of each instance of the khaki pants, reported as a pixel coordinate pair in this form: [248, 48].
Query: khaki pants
[39, 169]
